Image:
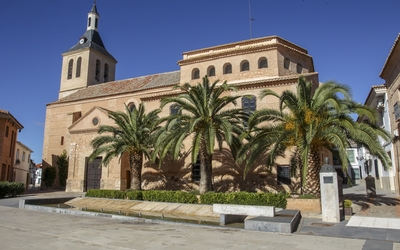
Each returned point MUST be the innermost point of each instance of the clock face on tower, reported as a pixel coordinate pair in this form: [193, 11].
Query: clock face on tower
[82, 41]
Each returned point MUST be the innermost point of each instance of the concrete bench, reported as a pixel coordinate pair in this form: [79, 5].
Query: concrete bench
[237, 213]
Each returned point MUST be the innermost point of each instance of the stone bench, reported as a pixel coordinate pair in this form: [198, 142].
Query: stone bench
[237, 213]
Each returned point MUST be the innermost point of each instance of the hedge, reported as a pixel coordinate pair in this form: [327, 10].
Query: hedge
[103, 193]
[246, 198]
[169, 196]
[147, 195]
[11, 189]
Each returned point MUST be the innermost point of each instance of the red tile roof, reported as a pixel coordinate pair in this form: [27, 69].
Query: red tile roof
[124, 86]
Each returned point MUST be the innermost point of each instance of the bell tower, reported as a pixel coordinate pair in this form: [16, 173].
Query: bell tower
[88, 62]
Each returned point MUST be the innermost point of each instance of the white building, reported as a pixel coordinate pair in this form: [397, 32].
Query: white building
[21, 164]
[370, 165]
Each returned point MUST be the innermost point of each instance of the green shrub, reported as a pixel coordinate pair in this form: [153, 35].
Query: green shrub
[134, 195]
[11, 189]
[169, 196]
[48, 176]
[62, 163]
[245, 198]
[103, 193]
[347, 203]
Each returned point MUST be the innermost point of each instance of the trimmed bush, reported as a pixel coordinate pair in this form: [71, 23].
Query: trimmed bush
[169, 196]
[347, 203]
[246, 198]
[103, 193]
[11, 189]
[134, 195]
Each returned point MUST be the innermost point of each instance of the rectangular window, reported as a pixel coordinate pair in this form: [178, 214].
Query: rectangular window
[62, 140]
[355, 173]
[76, 116]
[350, 155]
[396, 111]
[284, 175]
[7, 128]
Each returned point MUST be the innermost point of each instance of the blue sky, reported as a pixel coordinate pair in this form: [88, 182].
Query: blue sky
[349, 41]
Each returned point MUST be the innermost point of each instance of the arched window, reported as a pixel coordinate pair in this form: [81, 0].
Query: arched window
[286, 63]
[211, 71]
[70, 68]
[227, 68]
[244, 66]
[97, 76]
[89, 21]
[262, 63]
[96, 23]
[249, 104]
[106, 72]
[195, 73]
[299, 68]
[175, 109]
[78, 67]
[131, 106]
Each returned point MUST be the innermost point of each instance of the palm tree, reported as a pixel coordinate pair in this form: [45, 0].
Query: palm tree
[205, 118]
[133, 134]
[306, 122]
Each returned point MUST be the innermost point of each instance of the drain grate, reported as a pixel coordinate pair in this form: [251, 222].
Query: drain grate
[319, 224]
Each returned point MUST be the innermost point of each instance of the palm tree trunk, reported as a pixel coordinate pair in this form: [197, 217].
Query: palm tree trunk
[205, 169]
[312, 185]
[135, 164]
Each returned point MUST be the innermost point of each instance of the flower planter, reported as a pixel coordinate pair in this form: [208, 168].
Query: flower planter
[304, 205]
[348, 211]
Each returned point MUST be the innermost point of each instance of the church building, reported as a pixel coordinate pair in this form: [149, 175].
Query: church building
[88, 90]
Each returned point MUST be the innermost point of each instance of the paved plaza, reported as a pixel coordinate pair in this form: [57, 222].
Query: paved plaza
[25, 229]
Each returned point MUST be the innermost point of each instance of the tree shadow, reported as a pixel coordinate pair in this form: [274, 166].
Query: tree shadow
[169, 175]
[365, 203]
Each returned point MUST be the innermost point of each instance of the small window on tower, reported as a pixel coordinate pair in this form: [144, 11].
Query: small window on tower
[78, 67]
[286, 63]
[227, 68]
[96, 23]
[89, 21]
[70, 67]
[244, 66]
[195, 73]
[106, 72]
[262, 63]
[97, 76]
[211, 71]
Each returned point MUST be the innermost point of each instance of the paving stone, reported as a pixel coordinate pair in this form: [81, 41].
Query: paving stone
[374, 244]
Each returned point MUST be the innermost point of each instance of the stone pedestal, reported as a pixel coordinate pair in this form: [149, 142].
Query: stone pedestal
[329, 194]
[370, 186]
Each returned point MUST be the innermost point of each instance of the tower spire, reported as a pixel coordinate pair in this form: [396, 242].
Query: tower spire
[93, 18]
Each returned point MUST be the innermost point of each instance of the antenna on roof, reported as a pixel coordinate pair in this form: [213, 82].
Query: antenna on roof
[250, 20]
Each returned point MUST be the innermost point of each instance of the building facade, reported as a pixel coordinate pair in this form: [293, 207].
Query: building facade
[9, 128]
[391, 74]
[88, 91]
[369, 164]
[21, 169]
